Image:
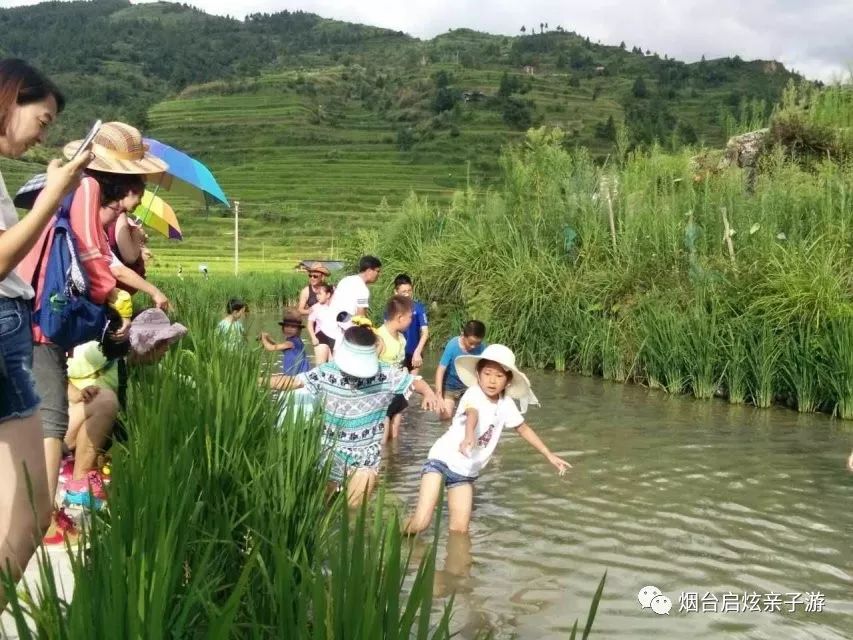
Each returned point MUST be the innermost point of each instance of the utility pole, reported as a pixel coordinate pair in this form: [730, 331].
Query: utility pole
[236, 237]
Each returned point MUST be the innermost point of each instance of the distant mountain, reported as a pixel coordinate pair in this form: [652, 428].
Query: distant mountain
[310, 121]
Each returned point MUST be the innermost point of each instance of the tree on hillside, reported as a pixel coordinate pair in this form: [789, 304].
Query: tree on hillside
[442, 79]
[523, 29]
[541, 27]
[606, 130]
[509, 85]
[405, 139]
[445, 99]
[639, 89]
[517, 113]
[546, 26]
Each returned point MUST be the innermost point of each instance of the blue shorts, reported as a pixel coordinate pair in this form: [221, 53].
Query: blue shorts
[451, 479]
[18, 397]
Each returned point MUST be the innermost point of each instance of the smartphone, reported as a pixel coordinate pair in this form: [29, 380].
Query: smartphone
[87, 141]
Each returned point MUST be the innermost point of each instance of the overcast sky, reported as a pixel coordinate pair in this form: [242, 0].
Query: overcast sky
[812, 37]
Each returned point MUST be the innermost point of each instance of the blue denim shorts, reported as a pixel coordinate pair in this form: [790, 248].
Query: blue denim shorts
[18, 397]
[451, 479]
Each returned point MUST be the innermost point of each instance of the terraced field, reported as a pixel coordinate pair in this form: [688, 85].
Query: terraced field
[305, 180]
[321, 128]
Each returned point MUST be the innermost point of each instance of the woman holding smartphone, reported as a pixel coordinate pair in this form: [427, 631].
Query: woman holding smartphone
[29, 103]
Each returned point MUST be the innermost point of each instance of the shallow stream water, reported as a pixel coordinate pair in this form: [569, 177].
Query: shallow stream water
[692, 497]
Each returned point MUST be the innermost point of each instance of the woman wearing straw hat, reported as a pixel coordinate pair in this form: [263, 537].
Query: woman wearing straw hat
[485, 410]
[317, 274]
[113, 185]
[29, 103]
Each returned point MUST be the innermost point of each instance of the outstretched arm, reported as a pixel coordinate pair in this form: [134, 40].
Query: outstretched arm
[526, 432]
[281, 382]
[269, 345]
[17, 241]
[129, 277]
[431, 401]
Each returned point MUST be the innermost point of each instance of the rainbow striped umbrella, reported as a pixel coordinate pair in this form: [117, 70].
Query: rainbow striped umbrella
[154, 213]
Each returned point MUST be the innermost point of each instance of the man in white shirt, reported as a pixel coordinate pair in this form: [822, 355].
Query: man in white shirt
[351, 294]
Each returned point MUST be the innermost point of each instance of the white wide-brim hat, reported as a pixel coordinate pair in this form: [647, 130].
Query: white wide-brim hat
[466, 369]
[356, 360]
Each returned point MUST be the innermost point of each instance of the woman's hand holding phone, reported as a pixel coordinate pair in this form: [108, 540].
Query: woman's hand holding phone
[64, 178]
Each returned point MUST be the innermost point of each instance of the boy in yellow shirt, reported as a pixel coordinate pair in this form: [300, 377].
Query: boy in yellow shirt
[392, 351]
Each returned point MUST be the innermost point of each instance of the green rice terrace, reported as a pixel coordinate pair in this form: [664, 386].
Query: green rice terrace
[320, 128]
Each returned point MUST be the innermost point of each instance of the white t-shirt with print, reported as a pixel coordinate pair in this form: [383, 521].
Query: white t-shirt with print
[12, 286]
[351, 293]
[493, 417]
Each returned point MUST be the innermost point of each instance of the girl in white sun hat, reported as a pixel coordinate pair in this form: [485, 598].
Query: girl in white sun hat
[484, 411]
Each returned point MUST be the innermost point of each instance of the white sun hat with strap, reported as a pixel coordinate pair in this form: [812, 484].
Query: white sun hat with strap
[518, 389]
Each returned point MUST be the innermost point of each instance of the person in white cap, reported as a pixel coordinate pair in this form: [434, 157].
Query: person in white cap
[356, 390]
[485, 410]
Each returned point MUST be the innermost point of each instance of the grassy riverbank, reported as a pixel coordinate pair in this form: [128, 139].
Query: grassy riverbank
[654, 270]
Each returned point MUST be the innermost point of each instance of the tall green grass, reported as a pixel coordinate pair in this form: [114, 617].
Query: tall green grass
[219, 526]
[196, 296]
[648, 268]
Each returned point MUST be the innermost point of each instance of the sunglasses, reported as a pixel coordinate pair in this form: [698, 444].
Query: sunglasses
[315, 275]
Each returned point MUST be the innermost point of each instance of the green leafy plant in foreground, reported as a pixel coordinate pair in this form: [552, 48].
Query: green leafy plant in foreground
[219, 526]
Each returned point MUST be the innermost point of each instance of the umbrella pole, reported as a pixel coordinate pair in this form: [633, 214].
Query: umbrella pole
[148, 208]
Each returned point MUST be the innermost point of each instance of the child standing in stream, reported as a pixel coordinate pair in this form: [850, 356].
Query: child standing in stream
[485, 410]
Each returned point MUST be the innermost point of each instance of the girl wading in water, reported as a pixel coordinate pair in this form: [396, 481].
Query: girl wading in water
[484, 411]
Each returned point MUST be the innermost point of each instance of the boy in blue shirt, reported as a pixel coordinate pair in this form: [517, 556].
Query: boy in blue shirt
[418, 332]
[447, 383]
[293, 358]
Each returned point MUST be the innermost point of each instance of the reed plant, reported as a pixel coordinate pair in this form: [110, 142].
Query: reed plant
[803, 359]
[700, 278]
[195, 295]
[838, 343]
[218, 525]
[763, 358]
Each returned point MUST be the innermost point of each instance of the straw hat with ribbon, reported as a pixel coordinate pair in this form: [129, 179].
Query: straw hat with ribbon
[518, 388]
[118, 148]
[318, 267]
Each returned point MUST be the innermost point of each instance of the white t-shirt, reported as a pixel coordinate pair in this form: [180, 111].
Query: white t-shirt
[324, 317]
[492, 418]
[350, 294]
[12, 286]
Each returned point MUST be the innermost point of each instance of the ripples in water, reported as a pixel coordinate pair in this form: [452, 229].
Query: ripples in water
[685, 495]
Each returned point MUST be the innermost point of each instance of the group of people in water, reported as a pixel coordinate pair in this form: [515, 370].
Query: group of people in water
[59, 406]
[59, 403]
[363, 376]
